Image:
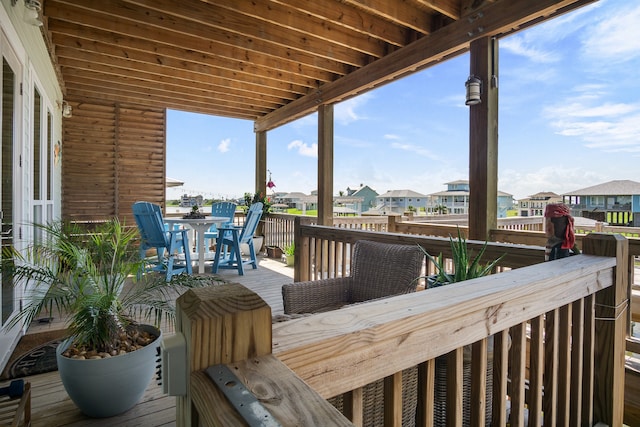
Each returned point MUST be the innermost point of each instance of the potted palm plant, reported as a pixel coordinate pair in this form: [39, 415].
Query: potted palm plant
[98, 279]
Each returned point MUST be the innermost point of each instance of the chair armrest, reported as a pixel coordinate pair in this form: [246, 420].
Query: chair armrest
[316, 295]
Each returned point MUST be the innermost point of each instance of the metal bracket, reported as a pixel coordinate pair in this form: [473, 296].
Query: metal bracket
[245, 402]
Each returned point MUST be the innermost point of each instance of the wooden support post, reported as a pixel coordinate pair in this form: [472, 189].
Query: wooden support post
[483, 141]
[325, 165]
[261, 163]
[220, 324]
[612, 306]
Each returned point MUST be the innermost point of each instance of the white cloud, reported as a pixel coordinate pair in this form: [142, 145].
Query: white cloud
[303, 148]
[421, 151]
[578, 109]
[391, 136]
[604, 125]
[518, 45]
[346, 112]
[223, 146]
[616, 37]
[535, 43]
[556, 178]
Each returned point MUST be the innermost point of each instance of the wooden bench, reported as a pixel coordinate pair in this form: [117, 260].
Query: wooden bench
[15, 410]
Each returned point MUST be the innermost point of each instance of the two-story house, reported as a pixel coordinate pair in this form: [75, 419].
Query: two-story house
[535, 204]
[615, 202]
[399, 201]
[455, 200]
[366, 193]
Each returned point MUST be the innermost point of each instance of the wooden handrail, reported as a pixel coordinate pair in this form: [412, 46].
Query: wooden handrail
[580, 302]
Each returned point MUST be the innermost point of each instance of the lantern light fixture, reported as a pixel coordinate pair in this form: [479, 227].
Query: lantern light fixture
[474, 90]
[67, 111]
[32, 12]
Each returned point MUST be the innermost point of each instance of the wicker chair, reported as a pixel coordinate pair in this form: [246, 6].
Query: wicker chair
[378, 270]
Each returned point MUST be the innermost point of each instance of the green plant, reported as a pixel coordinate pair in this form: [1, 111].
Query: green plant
[250, 199]
[289, 249]
[83, 273]
[465, 265]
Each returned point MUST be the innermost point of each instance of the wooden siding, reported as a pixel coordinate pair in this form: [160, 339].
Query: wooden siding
[112, 156]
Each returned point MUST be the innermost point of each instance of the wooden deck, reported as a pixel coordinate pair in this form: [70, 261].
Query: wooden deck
[52, 407]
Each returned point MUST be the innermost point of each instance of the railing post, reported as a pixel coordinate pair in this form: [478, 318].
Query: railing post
[391, 224]
[612, 314]
[221, 324]
[302, 253]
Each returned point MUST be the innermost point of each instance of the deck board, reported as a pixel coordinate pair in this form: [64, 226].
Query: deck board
[51, 406]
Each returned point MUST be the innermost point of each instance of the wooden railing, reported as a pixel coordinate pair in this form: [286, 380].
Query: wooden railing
[565, 318]
[324, 252]
[279, 228]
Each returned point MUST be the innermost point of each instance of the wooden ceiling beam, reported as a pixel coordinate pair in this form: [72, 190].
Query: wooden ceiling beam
[398, 12]
[74, 35]
[195, 95]
[450, 8]
[121, 18]
[496, 18]
[248, 98]
[110, 66]
[143, 60]
[252, 18]
[148, 95]
[212, 23]
[353, 18]
[91, 95]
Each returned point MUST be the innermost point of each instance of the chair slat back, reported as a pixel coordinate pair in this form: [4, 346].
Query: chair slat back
[251, 222]
[225, 209]
[148, 217]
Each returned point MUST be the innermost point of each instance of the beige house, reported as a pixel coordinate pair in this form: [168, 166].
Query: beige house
[535, 204]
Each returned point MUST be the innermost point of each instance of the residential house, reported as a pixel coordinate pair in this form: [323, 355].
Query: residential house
[347, 205]
[455, 200]
[298, 200]
[187, 201]
[536, 204]
[399, 201]
[367, 194]
[615, 202]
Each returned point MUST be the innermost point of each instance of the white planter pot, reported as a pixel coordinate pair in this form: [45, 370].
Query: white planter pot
[107, 387]
[258, 241]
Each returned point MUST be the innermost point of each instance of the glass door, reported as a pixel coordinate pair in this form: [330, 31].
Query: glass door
[8, 122]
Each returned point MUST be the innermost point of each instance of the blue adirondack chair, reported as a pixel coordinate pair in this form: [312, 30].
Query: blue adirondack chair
[167, 243]
[226, 209]
[229, 239]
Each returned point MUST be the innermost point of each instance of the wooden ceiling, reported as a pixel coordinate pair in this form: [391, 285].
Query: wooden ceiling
[270, 61]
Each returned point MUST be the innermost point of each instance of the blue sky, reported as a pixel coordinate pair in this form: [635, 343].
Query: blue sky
[569, 118]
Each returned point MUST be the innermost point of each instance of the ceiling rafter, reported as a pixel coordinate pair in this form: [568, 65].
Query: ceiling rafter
[73, 35]
[265, 60]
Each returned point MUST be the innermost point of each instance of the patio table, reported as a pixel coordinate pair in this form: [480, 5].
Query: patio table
[199, 226]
